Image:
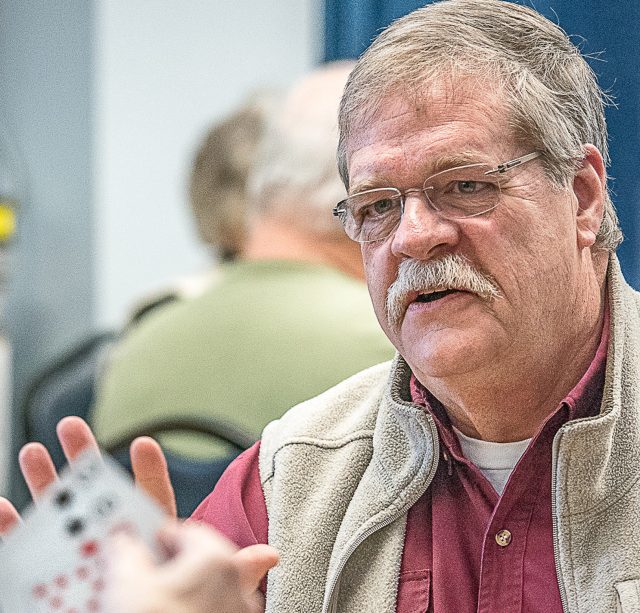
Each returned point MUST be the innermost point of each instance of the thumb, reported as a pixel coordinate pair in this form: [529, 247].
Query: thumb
[253, 563]
[126, 557]
[124, 550]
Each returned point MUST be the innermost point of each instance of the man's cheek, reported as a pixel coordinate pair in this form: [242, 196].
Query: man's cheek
[377, 281]
[379, 278]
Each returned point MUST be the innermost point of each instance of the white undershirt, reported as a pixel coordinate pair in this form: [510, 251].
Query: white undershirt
[495, 461]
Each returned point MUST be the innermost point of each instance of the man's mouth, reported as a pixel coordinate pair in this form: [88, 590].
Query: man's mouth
[433, 296]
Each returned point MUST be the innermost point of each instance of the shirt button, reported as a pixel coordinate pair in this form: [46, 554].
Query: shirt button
[503, 538]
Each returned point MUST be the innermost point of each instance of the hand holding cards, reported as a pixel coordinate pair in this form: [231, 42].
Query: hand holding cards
[54, 561]
[204, 573]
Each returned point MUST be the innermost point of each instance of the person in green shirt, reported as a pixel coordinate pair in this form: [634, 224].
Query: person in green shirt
[286, 320]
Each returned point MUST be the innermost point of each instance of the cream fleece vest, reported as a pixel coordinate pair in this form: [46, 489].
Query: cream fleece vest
[340, 471]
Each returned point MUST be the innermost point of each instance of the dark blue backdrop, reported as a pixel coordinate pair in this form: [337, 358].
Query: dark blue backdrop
[608, 27]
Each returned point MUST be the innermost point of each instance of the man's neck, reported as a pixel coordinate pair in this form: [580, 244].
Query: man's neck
[514, 407]
[275, 239]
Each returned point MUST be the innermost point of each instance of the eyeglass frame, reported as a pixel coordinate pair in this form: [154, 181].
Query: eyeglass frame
[340, 210]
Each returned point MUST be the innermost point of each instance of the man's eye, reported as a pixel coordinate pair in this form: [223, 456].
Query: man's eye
[382, 206]
[468, 187]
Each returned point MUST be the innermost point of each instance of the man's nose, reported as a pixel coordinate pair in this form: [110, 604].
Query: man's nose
[422, 233]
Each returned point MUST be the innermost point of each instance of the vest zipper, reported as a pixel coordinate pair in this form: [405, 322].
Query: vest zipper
[332, 600]
[556, 547]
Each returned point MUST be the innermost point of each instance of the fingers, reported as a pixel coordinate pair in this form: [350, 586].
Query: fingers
[151, 473]
[37, 468]
[147, 460]
[197, 544]
[9, 517]
[253, 563]
[194, 549]
[194, 541]
[201, 575]
[204, 572]
[36, 465]
[75, 437]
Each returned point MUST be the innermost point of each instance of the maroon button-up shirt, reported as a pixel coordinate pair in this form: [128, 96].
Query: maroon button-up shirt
[452, 561]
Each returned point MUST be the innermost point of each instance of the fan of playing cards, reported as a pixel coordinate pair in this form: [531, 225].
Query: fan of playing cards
[54, 561]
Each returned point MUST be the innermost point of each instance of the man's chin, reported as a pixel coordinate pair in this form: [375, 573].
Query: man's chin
[444, 352]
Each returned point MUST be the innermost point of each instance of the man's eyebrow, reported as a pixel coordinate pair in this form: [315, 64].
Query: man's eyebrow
[374, 178]
[453, 160]
[432, 167]
[367, 185]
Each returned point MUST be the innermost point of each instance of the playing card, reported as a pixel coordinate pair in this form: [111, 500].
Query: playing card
[54, 562]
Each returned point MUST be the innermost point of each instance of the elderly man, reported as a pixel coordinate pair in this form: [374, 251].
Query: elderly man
[493, 466]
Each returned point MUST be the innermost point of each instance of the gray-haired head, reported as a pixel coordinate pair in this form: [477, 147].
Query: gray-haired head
[295, 175]
[221, 167]
[554, 102]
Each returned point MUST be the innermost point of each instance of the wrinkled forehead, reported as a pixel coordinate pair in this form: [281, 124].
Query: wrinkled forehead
[446, 117]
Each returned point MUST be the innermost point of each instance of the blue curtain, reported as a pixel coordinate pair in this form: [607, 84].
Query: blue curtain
[606, 28]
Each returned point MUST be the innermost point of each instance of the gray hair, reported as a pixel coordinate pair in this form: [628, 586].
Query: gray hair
[221, 166]
[295, 174]
[556, 105]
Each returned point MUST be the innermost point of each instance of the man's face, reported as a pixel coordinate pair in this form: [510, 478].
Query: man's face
[526, 246]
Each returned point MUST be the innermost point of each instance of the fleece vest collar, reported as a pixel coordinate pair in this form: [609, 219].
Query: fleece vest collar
[596, 472]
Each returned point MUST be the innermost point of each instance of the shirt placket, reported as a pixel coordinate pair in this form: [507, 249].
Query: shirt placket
[504, 547]
[505, 541]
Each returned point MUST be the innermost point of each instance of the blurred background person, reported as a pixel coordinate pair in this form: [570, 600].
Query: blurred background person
[285, 320]
[218, 195]
[217, 189]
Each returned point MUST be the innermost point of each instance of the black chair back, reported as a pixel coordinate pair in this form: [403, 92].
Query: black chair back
[192, 479]
[65, 388]
[68, 388]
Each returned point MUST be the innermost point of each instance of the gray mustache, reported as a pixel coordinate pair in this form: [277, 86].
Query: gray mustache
[449, 272]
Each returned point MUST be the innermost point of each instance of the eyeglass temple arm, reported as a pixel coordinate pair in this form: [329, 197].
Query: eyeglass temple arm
[500, 168]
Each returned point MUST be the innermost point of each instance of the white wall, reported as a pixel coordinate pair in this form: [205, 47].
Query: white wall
[164, 70]
[46, 68]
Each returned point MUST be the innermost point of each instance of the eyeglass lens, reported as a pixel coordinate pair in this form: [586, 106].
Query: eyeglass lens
[454, 193]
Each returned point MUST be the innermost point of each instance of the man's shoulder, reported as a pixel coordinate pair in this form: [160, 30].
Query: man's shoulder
[624, 299]
[344, 411]
[634, 296]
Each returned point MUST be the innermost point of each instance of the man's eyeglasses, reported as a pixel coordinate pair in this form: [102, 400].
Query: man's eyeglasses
[455, 193]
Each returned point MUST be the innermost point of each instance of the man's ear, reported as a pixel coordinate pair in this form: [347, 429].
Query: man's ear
[589, 189]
